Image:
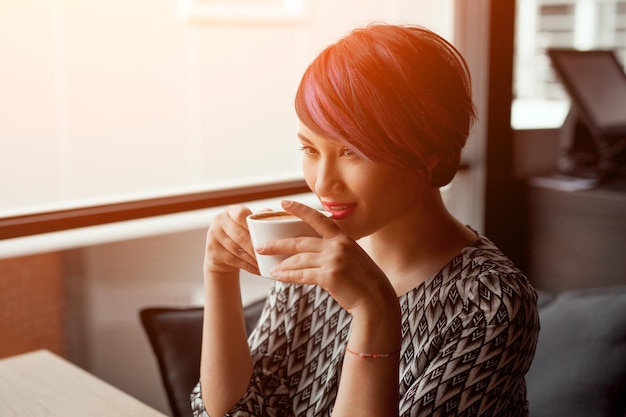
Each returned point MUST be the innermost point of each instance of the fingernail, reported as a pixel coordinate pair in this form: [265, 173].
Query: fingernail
[286, 203]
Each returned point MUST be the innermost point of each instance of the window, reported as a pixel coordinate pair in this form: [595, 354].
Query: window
[540, 100]
[112, 104]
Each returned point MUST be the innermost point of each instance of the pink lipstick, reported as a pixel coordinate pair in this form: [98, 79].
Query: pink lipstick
[339, 211]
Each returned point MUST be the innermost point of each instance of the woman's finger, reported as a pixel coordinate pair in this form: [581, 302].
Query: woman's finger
[224, 251]
[228, 242]
[290, 246]
[237, 231]
[321, 223]
[296, 276]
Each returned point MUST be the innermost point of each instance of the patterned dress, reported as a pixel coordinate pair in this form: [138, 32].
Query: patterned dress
[468, 337]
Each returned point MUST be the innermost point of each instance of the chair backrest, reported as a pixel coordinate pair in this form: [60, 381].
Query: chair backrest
[175, 335]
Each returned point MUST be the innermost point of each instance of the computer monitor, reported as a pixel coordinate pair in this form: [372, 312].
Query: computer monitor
[596, 84]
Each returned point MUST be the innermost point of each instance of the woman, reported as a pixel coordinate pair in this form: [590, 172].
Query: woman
[398, 309]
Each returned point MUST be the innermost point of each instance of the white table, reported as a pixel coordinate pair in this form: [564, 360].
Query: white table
[40, 383]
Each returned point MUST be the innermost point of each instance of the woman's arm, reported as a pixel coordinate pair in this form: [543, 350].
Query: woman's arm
[226, 366]
[369, 382]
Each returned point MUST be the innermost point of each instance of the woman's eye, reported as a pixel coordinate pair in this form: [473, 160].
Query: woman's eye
[308, 150]
[347, 152]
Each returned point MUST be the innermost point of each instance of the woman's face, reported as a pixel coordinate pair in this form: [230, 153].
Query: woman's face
[362, 196]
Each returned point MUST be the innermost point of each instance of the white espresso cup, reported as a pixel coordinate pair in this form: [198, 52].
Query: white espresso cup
[272, 225]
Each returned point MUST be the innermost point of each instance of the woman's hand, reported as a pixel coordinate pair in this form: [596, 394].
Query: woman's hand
[228, 246]
[338, 264]
[335, 262]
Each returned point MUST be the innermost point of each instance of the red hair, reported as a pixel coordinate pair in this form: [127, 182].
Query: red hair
[398, 95]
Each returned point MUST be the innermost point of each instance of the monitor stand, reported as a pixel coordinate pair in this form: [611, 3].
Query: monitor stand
[582, 154]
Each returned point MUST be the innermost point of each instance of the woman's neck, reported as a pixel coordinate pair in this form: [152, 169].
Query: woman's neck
[415, 247]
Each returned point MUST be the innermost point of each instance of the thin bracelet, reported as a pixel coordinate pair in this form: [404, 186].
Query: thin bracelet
[372, 355]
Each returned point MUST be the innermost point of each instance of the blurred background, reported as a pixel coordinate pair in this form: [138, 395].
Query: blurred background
[114, 101]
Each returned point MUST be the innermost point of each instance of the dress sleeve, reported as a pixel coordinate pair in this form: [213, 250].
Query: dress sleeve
[267, 392]
[478, 360]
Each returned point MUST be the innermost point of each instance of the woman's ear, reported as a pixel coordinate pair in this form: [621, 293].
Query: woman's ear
[443, 170]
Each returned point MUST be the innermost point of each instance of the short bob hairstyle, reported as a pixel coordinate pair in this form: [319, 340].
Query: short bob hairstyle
[398, 95]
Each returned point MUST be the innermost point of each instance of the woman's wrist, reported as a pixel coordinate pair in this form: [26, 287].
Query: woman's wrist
[376, 327]
[222, 285]
[363, 355]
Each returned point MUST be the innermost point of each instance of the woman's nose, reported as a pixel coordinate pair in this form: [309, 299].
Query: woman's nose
[328, 180]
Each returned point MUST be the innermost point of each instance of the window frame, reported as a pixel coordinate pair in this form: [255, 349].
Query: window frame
[59, 220]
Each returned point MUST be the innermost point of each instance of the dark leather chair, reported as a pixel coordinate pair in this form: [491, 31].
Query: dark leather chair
[175, 335]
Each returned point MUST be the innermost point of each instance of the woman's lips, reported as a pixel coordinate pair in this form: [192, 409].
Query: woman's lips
[339, 211]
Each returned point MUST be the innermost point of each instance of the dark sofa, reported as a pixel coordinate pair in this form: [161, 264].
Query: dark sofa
[579, 368]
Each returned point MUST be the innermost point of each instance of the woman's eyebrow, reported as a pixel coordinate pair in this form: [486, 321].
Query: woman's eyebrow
[303, 138]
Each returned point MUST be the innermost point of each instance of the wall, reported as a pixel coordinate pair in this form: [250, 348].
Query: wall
[32, 304]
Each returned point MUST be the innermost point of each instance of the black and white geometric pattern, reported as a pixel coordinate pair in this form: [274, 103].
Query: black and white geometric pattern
[468, 337]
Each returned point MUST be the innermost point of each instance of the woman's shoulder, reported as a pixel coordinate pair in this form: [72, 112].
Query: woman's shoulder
[484, 262]
[483, 255]
[491, 279]
[479, 270]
